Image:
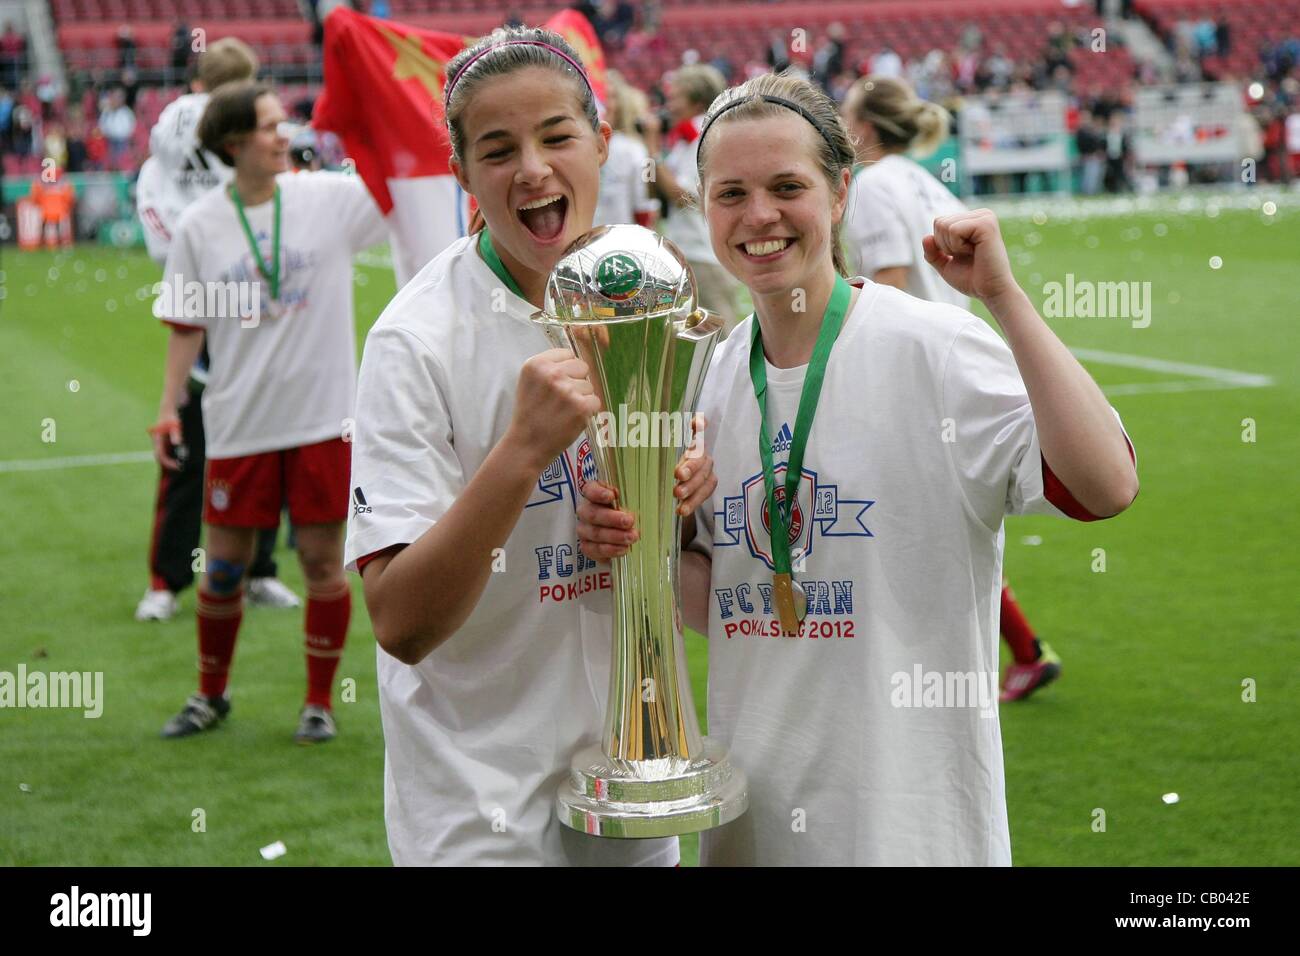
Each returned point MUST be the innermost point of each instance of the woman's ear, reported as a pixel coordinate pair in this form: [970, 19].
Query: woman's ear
[605, 131]
[841, 200]
[458, 171]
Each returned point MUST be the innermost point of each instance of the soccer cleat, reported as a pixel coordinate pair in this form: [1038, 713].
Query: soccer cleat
[199, 713]
[315, 725]
[1021, 680]
[271, 592]
[156, 606]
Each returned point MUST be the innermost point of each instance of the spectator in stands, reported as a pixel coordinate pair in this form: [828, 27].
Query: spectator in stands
[828, 61]
[6, 117]
[24, 137]
[181, 48]
[1223, 35]
[998, 68]
[1091, 142]
[614, 21]
[1057, 51]
[1117, 154]
[778, 54]
[13, 57]
[77, 154]
[117, 123]
[887, 63]
[96, 149]
[125, 48]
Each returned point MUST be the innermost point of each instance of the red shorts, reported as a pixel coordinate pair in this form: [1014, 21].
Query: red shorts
[250, 491]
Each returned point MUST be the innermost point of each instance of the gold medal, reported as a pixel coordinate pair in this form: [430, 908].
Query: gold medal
[791, 602]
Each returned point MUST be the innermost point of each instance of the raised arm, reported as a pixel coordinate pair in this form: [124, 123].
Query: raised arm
[421, 595]
[1079, 435]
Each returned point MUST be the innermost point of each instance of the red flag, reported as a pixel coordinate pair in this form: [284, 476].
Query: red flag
[383, 94]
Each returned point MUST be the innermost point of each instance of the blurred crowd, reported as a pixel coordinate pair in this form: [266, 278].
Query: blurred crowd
[92, 125]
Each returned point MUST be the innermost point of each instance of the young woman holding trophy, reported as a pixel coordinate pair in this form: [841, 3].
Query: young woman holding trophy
[848, 567]
[494, 630]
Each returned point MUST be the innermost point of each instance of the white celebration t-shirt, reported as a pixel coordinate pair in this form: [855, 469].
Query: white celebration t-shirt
[622, 181]
[177, 172]
[685, 225]
[872, 738]
[480, 734]
[892, 206]
[283, 370]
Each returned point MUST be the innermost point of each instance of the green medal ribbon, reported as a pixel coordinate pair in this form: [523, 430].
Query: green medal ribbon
[779, 511]
[489, 254]
[270, 273]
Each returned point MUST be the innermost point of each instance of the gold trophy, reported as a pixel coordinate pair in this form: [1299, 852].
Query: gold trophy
[623, 299]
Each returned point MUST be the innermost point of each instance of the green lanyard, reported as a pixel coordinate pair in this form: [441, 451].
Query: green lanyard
[779, 511]
[494, 262]
[270, 273]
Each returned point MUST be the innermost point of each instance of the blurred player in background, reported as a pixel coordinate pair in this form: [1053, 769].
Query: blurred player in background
[690, 91]
[280, 394]
[177, 172]
[625, 177]
[893, 202]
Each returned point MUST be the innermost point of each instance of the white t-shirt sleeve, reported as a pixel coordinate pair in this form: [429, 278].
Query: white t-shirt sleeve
[182, 266]
[994, 448]
[405, 473]
[359, 217]
[877, 230]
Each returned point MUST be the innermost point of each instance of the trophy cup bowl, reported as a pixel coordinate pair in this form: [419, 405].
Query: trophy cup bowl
[623, 299]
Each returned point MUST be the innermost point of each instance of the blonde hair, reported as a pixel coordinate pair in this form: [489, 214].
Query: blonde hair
[626, 104]
[834, 151]
[700, 83]
[228, 60]
[902, 120]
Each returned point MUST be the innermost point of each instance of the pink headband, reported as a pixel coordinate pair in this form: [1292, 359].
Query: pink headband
[492, 49]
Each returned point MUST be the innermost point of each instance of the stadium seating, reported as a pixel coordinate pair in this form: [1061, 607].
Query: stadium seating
[1252, 23]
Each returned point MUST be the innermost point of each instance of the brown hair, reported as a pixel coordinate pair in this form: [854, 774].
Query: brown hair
[231, 111]
[834, 147]
[506, 54]
[228, 60]
[901, 119]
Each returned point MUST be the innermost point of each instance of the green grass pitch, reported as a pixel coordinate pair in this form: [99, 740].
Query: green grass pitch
[1198, 594]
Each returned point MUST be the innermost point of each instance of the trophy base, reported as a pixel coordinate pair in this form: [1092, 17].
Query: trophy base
[651, 798]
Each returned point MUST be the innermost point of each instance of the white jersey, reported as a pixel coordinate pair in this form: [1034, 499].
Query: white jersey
[872, 738]
[177, 172]
[479, 735]
[686, 227]
[892, 206]
[622, 181]
[283, 370]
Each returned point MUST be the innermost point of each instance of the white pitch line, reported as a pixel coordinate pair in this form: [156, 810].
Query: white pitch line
[1226, 377]
[1208, 378]
[76, 461]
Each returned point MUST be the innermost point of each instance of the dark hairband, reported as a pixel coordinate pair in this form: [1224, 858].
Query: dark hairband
[505, 43]
[779, 101]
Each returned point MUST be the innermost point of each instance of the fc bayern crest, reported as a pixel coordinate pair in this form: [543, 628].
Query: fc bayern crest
[586, 464]
[220, 496]
[758, 520]
[796, 516]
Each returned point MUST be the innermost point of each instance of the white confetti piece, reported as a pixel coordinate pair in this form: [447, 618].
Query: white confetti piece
[274, 851]
[1170, 798]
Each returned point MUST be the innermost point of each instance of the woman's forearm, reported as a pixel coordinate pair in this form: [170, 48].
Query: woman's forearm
[1080, 437]
[421, 596]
